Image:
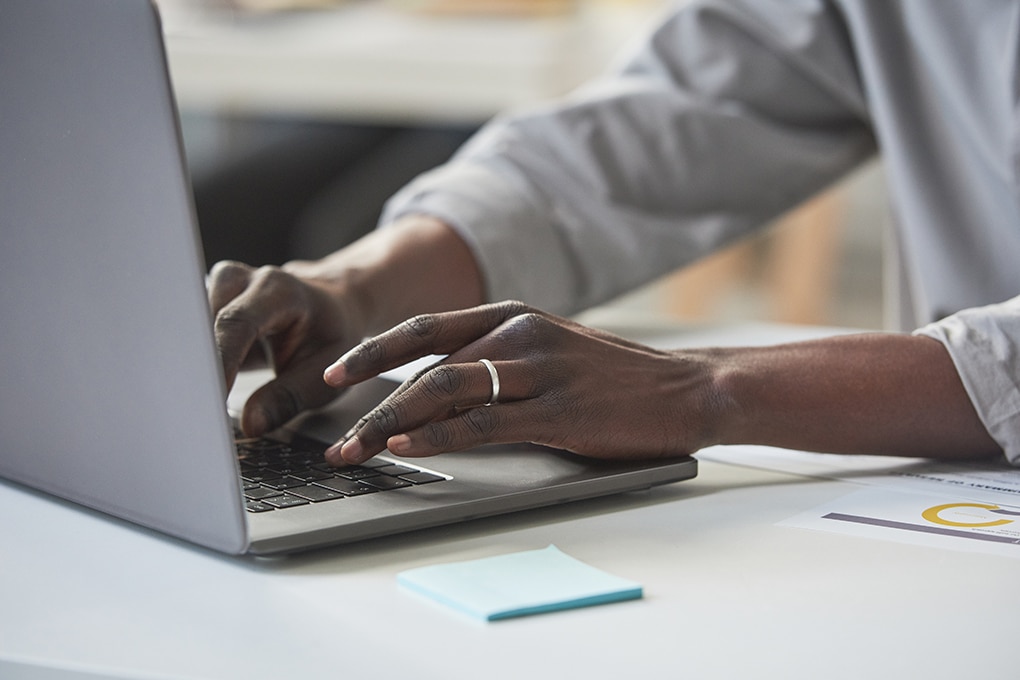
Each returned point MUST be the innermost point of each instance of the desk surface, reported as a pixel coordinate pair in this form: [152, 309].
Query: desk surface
[728, 594]
[372, 61]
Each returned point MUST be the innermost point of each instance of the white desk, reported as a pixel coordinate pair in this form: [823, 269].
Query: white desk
[370, 61]
[728, 594]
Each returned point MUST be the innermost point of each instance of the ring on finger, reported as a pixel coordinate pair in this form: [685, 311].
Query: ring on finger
[494, 375]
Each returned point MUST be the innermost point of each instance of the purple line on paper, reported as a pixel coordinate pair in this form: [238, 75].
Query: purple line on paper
[857, 519]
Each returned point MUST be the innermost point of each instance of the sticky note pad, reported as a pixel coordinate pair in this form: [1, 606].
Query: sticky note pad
[518, 584]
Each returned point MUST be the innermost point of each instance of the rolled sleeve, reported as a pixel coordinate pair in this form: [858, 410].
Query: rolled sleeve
[502, 223]
[984, 344]
[729, 113]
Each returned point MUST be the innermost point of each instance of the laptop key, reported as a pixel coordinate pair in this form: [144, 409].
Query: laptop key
[309, 475]
[283, 482]
[261, 492]
[316, 494]
[419, 477]
[277, 475]
[258, 476]
[285, 501]
[394, 470]
[258, 506]
[346, 486]
[384, 483]
[355, 473]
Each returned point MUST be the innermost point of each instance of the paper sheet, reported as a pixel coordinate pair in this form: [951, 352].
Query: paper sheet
[941, 521]
[987, 481]
[973, 507]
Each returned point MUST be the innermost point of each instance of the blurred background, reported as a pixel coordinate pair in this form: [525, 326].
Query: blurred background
[302, 116]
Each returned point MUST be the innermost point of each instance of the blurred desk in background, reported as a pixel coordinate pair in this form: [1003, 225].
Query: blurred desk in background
[375, 62]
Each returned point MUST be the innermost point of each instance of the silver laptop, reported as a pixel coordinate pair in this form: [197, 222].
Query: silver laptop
[112, 393]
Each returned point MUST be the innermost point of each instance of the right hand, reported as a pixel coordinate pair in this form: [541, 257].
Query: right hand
[288, 318]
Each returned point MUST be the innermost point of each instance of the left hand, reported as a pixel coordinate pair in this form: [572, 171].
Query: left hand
[560, 384]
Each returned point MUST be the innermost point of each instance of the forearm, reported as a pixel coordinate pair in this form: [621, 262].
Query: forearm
[861, 394]
[414, 266]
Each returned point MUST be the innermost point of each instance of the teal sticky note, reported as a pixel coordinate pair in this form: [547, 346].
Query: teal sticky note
[518, 584]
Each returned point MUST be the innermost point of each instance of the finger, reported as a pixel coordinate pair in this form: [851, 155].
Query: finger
[226, 280]
[270, 304]
[297, 389]
[439, 393]
[497, 424]
[462, 357]
[417, 337]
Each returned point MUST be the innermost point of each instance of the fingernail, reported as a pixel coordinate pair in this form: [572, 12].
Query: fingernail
[332, 454]
[352, 451]
[399, 443]
[335, 373]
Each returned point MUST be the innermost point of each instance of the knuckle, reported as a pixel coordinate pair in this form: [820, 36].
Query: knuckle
[515, 308]
[502, 312]
[531, 319]
[421, 326]
[525, 330]
[480, 421]
[229, 270]
[267, 270]
[384, 418]
[442, 381]
[270, 276]
[528, 322]
[370, 351]
[438, 435]
[270, 282]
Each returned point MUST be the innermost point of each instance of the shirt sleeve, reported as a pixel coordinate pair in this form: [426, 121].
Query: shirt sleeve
[984, 343]
[726, 115]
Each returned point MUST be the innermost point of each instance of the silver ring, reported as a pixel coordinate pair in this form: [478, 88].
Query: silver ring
[495, 381]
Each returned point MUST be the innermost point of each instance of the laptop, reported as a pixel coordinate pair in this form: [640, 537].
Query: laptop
[113, 395]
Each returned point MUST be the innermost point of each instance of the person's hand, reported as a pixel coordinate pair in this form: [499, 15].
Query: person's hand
[299, 317]
[560, 384]
[287, 318]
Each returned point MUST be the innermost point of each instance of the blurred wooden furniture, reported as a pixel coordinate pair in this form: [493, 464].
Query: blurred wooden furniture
[790, 269]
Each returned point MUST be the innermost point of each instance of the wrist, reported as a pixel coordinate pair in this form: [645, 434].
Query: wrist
[739, 385]
[869, 393]
[705, 394]
[415, 265]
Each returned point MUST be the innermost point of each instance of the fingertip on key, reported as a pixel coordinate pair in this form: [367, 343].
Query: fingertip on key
[353, 452]
[255, 421]
[332, 454]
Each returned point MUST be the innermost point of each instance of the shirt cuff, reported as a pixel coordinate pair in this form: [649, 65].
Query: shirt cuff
[984, 343]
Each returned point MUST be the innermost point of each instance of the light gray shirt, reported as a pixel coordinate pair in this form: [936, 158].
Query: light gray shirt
[733, 111]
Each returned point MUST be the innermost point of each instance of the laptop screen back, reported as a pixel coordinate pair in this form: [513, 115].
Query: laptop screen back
[112, 391]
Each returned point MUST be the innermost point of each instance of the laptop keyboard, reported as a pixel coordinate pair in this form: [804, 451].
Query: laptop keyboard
[277, 475]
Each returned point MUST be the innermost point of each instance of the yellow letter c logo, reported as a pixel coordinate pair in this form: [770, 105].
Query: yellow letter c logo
[932, 515]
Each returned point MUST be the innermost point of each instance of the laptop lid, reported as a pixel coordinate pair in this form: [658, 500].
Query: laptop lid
[112, 389]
